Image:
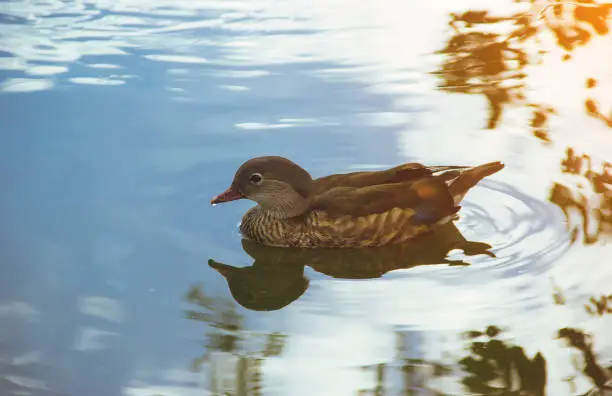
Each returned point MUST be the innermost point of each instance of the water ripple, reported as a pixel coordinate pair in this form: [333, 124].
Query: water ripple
[527, 235]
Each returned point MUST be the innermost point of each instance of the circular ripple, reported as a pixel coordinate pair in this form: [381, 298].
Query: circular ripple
[527, 235]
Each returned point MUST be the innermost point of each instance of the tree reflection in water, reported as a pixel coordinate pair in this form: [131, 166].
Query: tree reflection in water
[599, 306]
[492, 366]
[231, 365]
[593, 108]
[479, 61]
[589, 192]
[600, 376]
[495, 367]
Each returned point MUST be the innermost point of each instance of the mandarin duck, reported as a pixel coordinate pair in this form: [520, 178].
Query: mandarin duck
[358, 209]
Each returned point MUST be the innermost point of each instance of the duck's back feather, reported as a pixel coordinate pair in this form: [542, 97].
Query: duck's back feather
[399, 174]
[428, 196]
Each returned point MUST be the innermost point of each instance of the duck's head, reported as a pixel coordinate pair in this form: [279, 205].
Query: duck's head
[277, 184]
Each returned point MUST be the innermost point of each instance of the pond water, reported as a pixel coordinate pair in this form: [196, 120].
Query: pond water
[120, 120]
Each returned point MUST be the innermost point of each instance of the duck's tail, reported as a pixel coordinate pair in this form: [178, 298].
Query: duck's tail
[466, 179]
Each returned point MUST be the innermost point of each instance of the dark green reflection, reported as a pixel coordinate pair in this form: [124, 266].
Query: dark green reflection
[276, 277]
[599, 375]
[599, 306]
[493, 361]
[497, 367]
[225, 343]
[492, 366]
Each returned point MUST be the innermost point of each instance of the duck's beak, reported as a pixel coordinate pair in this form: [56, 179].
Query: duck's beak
[223, 269]
[231, 194]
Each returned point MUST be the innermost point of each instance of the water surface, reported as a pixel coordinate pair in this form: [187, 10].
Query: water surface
[121, 119]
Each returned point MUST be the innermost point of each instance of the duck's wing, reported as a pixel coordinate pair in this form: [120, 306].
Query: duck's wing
[399, 174]
[425, 201]
[432, 196]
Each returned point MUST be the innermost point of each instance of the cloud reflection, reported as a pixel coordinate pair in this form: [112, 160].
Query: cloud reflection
[46, 70]
[89, 339]
[20, 310]
[362, 35]
[176, 59]
[25, 85]
[102, 307]
[95, 81]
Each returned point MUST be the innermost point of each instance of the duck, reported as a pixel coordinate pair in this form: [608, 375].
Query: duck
[348, 210]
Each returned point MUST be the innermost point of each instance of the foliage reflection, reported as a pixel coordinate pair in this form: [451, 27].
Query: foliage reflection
[488, 55]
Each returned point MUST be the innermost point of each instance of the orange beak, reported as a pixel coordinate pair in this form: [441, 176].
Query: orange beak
[228, 195]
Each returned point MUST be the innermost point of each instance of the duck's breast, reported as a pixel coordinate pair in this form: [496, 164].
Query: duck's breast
[319, 229]
[265, 228]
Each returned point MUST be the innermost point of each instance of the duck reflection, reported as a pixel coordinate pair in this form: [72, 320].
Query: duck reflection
[589, 192]
[276, 277]
[488, 54]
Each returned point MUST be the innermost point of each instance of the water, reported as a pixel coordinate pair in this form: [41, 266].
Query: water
[121, 119]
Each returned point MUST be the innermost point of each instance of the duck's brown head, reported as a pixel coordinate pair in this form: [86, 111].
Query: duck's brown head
[277, 184]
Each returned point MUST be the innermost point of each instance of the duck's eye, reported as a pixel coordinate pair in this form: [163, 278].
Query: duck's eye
[256, 178]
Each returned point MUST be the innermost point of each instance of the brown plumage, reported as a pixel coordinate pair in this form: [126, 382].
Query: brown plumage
[359, 209]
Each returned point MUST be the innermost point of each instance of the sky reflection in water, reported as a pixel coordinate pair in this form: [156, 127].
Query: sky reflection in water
[122, 118]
